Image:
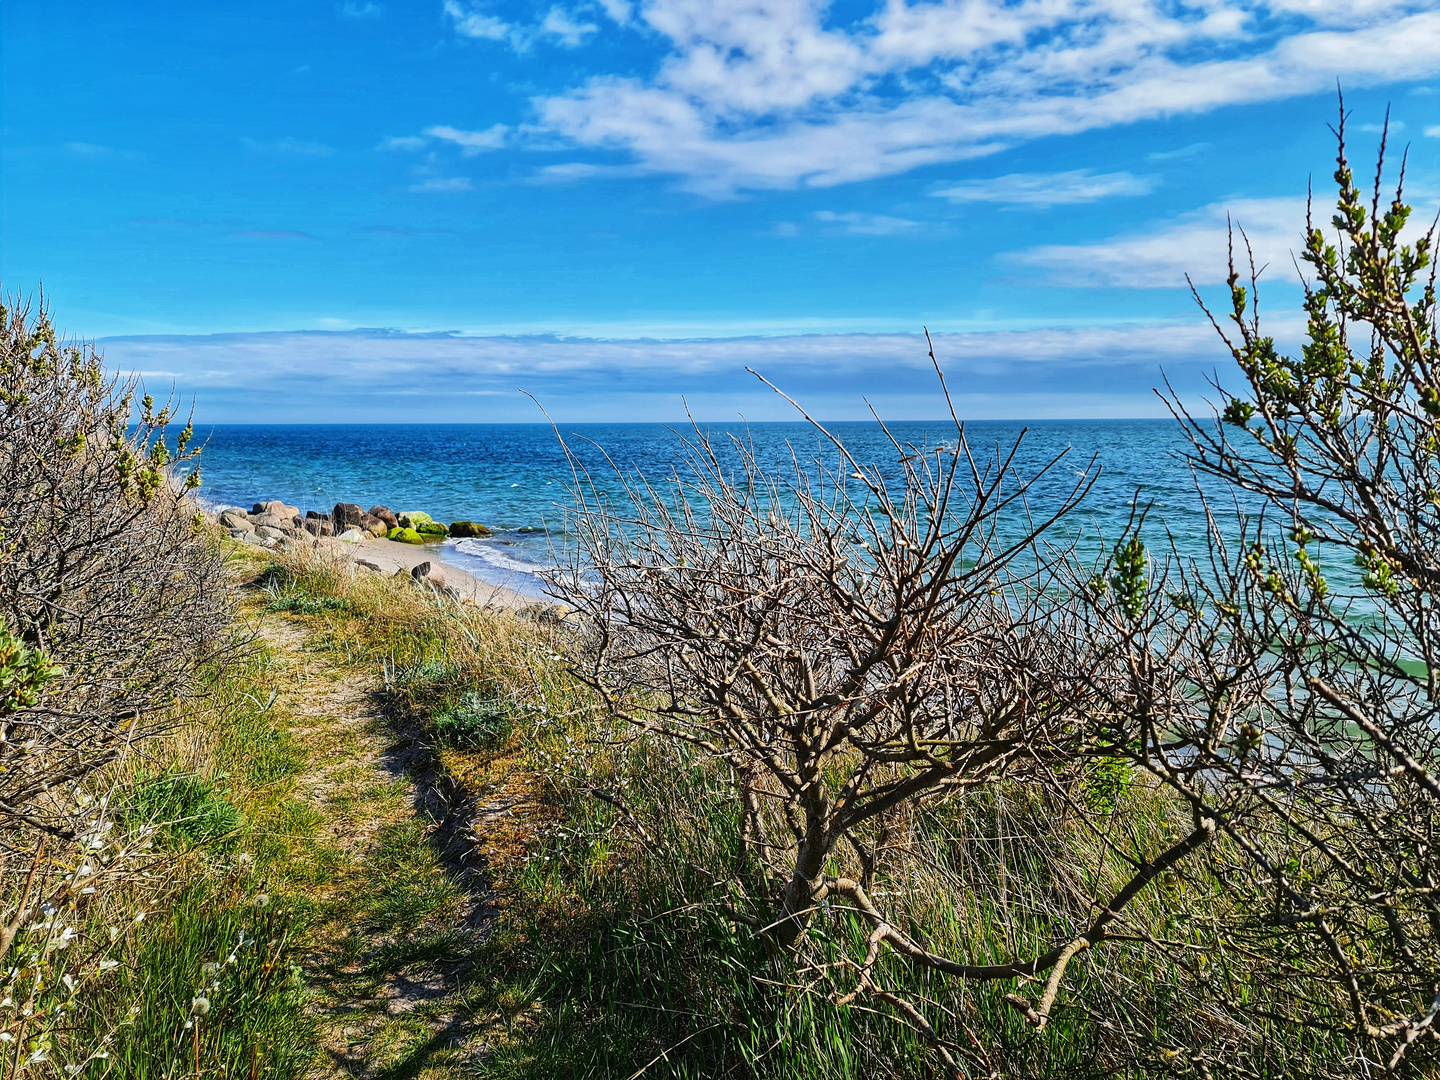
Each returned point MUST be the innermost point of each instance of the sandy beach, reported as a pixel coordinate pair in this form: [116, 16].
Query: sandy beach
[388, 557]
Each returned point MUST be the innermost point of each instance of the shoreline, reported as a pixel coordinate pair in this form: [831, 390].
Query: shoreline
[389, 557]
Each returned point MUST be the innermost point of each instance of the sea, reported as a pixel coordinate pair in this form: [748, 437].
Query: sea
[516, 479]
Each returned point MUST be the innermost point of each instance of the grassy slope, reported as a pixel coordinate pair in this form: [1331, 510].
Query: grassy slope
[447, 898]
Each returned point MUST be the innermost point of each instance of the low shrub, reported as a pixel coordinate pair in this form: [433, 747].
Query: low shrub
[475, 722]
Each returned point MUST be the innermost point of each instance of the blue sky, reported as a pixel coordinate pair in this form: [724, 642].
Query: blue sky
[405, 211]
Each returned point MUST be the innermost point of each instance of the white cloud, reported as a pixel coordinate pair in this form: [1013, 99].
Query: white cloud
[1433, 131]
[441, 185]
[402, 142]
[1183, 153]
[769, 94]
[471, 142]
[1197, 244]
[355, 10]
[572, 171]
[1048, 189]
[1194, 244]
[287, 145]
[474, 24]
[558, 26]
[621, 11]
[857, 224]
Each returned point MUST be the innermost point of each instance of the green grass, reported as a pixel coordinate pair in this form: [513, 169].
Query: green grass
[609, 958]
[189, 810]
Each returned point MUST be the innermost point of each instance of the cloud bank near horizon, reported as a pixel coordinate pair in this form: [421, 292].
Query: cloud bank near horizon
[376, 376]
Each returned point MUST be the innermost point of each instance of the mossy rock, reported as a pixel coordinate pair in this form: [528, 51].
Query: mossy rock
[405, 536]
[432, 529]
[413, 519]
[468, 528]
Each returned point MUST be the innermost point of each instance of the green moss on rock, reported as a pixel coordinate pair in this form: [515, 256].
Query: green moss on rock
[413, 519]
[468, 528]
[405, 536]
[432, 529]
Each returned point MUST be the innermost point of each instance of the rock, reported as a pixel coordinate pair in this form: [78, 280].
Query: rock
[410, 519]
[405, 536]
[374, 525]
[272, 533]
[432, 530]
[318, 527]
[276, 507]
[468, 528]
[385, 514]
[316, 515]
[366, 564]
[351, 536]
[432, 572]
[234, 518]
[273, 521]
[347, 514]
[246, 536]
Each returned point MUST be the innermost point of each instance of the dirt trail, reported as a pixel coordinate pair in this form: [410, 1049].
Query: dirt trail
[402, 899]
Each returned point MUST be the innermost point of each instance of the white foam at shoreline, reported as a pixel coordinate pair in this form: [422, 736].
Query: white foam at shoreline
[490, 563]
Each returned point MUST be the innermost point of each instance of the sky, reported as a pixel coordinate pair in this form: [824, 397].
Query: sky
[374, 210]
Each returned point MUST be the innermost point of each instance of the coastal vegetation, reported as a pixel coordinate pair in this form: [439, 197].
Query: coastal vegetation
[828, 770]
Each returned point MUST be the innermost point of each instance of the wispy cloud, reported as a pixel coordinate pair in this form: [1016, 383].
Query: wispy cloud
[1048, 189]
[442, 185]
[857, 224]
[271, 234]
[470, 142]
[1433, 131]
[353, 9]
[97, 152]
[775, 95]
[287, 145]
[402, 142]
[1184, 153]
[1159, 257]
[557, 27]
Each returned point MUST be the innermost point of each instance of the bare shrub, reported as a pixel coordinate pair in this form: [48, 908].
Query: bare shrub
[1289, 687]
[846, 644]
[108, 582]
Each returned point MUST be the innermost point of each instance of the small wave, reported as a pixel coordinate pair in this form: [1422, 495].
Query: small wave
[493, 554]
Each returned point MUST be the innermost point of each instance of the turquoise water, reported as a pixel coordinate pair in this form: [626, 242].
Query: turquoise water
[512, 477]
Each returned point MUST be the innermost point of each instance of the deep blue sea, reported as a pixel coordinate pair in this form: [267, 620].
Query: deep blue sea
[513, 477]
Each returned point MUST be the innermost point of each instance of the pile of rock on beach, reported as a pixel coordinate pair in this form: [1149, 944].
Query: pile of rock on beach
[274, 522]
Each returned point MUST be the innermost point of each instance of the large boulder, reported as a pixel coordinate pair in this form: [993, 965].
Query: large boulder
[272, 533]
[347, 514]
[374, 525]
[432, 530]
[276, 507]
[270, 521]
[351, 536]
[410, 519]
[235, 518]
[316, 515]
[247, 536]
[385, 514]
[468, 528]
[405, 536]
[431, 572]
